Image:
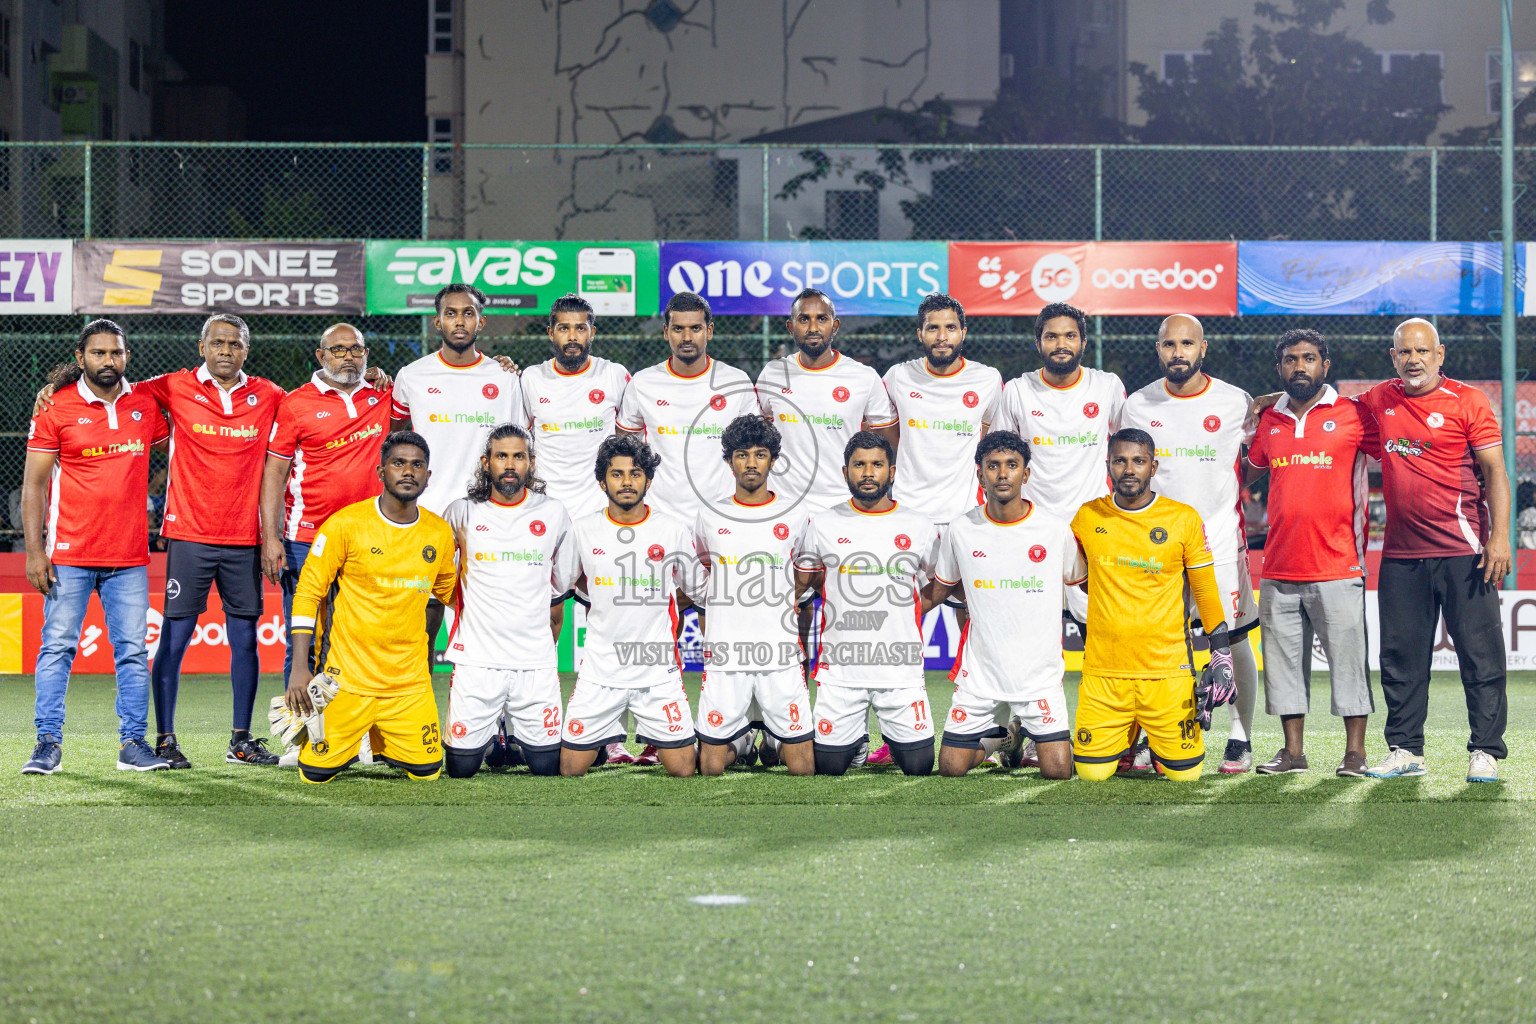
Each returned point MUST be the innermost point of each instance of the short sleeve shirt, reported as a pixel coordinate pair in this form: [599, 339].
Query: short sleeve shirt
[332, 438]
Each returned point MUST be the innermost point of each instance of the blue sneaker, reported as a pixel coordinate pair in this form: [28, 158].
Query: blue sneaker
[135, 756]
[46, 756]
[1398, 764]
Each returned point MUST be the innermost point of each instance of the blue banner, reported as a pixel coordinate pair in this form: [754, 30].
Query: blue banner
[762, 278]
[1382, 278]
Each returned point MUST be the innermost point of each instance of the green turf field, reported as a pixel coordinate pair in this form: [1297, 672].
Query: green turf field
[233, 893]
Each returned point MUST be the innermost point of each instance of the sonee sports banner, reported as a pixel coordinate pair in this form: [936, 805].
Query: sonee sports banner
[1110, 278]
[218, 277]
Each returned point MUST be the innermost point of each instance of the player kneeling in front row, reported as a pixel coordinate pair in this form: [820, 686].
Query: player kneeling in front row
[746, 544]
[515, 552]
[1140, 546]
[361, 600]
[1008, 560]
[870, 559]
[634, 562]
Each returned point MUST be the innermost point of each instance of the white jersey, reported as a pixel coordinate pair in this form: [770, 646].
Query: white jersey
[1200, 443]
[455, 408]
[569, 414]
[817, 411]
[941, 420]
[747, 587]
[512, 559]
[683, 418]
[871, 614]
[633, 575]
[1011, 575]
[1068, 433]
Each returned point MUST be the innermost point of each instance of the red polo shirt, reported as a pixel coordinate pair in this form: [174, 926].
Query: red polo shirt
[332, 438]
[98, 499]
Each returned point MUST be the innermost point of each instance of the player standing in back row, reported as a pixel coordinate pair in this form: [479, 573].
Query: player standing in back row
[454, 397]
[1201, 426]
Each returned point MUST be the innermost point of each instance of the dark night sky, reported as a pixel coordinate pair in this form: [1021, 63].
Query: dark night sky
[332, 70]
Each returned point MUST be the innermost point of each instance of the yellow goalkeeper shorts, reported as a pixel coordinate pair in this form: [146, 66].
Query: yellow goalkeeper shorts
[403, 731]
[1110, 709]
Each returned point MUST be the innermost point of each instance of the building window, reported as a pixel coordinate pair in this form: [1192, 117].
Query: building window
[1188, 61]
[440, 130]
[135, 61]
[1396, 61]
[1525, 77]
[440, 26]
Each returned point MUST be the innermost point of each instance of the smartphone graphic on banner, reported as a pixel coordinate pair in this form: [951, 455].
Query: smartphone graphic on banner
[606, 278]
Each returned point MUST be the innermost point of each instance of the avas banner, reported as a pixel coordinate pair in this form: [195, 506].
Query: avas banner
[1112, 278]
[618, 278]
[36, 276]
[218, 277]
[762, 278]
[1373, 278]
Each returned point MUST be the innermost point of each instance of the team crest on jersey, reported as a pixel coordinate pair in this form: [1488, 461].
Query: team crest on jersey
[459, 730]
[781, 531]
[1084, 736]
[1090, 409]
[373, 401]
[1329, 427]
[575, 727]
[1212, 424]
[971, 399]
[490, 391]
[1158, 535]
[1434, 419]
[903, 541]
[655, 552]
[429, 554]
[595, 396]
[840, 394]
[536, 528]
[824, 727]
[137, 415]
[957, 715]
[717, 402]
[716, 719]
[251, 400]
[1037, 553]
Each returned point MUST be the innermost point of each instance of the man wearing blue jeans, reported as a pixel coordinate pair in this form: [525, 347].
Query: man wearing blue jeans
[84, 496]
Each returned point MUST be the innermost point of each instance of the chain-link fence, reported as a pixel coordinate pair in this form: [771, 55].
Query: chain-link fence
[693, 191]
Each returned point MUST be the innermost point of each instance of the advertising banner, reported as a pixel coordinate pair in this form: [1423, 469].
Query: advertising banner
[36, 276]
[762, 278]
[618, 278]
[218, 277]
[1374, 278]
[1112, 278]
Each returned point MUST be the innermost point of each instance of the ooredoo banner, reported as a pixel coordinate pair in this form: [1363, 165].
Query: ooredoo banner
[1110, 278]
[218, 277]
[1372, 278]
[762, 278]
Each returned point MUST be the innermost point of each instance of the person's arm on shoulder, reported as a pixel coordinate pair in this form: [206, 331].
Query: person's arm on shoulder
[399, 406]
[631, 417]
[1256, 459]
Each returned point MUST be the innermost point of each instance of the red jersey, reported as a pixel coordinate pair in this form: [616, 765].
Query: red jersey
[1436, 507]
[332, 438]
[218, 450]
[1317, 488]
[98, 499]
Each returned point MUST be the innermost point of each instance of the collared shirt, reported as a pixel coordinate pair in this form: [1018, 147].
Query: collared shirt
[332, 438]
[98, 496]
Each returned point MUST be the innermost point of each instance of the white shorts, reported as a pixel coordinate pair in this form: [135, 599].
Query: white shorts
[478, 697]
[842, 715]
[1235, 582]
[594, 717]
[971, 717]
[729, 702]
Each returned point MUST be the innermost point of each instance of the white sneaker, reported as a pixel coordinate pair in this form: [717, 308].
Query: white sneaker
[365, 751]
[290, 758]
[1483, 767]
[1398, 764]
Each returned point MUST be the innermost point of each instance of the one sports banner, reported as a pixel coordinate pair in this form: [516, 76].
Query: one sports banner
[1372, 278]
[762, 278]
[218, 277]
[618, 278]
[1527, 260]
[36, 276]
[1112, 278]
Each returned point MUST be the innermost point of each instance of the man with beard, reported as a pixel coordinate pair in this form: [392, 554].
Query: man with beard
[570, 403]
[83, 497]
[1200, 426]
[818, 399]
[515, 550]
[869, 559]
[1313, 583]
[321, 458]
[635, 562]
[359, 603]
[454, 397]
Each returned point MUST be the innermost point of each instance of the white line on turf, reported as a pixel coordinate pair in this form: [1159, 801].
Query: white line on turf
[718, 900]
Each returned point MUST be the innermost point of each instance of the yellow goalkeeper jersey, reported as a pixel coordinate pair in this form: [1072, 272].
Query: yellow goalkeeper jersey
[363, 593]
[1136, 564]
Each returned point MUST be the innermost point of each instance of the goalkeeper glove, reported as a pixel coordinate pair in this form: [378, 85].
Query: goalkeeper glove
[295, 727]
[1217, 684]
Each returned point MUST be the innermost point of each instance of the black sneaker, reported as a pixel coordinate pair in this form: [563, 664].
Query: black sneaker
[250, 751]
[46, 756]
[1011, 753]
[170, 753]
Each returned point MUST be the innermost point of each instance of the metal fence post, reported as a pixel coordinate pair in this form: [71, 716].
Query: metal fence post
[86, 194]
[426, 190]
[766, 195]
[1507, 325]
[1098, 236]
[1434, 195]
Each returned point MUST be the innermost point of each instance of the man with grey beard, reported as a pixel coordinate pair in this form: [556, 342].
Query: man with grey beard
[322, 457]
